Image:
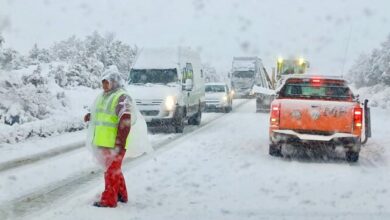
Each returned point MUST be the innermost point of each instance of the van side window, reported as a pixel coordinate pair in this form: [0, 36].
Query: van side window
[188, 73]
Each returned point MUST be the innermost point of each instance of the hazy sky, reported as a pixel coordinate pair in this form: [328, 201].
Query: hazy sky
[329, 33]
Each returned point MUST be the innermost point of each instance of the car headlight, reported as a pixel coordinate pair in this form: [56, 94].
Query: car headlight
[224, 98]
[170, 103]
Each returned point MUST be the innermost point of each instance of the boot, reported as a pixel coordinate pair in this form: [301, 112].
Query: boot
[121, 199]
[99, 204]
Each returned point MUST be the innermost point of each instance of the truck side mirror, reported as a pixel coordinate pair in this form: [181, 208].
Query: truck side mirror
[188, 85]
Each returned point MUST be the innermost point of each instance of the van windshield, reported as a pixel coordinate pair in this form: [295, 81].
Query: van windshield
[156, 76]
[215, 88]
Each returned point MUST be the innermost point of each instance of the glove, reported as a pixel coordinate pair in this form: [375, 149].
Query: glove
[87, 117]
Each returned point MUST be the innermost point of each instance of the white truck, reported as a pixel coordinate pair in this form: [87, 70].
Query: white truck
[168, 87]
[249, 79]
[243, 74]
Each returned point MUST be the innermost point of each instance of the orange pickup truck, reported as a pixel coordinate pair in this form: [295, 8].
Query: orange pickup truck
[314, 111]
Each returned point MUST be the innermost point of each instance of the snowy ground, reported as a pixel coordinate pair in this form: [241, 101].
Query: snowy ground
[221, 170]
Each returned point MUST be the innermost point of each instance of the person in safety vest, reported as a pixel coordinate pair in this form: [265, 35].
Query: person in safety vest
[110, 120]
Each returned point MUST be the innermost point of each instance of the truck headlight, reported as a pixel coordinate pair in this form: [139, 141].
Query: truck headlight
[224, 98]
[170, 103]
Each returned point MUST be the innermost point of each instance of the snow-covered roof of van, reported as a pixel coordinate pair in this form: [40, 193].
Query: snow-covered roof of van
[162, 58]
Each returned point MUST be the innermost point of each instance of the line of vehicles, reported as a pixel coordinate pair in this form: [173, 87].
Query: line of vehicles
[305, 110]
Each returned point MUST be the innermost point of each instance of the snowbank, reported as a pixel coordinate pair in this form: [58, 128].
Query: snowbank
[34, 105]
[48, 91]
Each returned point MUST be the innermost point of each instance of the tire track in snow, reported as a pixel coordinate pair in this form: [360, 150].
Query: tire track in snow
[38, 157]
[19, 207]
[372, 154]
[30, 159]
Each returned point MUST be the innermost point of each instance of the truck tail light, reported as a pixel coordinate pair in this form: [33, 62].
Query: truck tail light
[316, 82]
[357, 117]
[275, 115]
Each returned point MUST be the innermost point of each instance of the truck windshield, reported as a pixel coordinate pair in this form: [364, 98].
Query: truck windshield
[325, 91]
[215, 88]
[243, 74]
[158, 76]
[292, 67]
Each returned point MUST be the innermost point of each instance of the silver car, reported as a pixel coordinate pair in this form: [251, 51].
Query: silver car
[218, 97]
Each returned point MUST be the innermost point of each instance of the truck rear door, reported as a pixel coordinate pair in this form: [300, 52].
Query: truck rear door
[316, 106]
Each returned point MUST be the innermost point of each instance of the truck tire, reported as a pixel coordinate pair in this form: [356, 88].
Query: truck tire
[275, 150]
[352, 156]
[261, 107]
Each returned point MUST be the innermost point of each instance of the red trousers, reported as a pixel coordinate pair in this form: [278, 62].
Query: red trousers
[115, 186]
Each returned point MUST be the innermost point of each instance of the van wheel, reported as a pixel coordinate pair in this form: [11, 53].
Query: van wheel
[179, 129]
[197, 118]
[178, 124]
[352, 156]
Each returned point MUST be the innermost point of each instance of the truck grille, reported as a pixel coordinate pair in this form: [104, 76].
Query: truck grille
[149, 102]
[150, 112]
[212, 101]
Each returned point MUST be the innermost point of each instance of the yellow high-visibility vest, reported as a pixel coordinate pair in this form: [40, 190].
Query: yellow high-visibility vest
[105, 120]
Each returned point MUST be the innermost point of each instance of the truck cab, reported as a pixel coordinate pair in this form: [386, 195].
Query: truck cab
[244, 72]
[168, 87]
[311, 111]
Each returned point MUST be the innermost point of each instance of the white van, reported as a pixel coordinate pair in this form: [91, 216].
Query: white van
[168, 87]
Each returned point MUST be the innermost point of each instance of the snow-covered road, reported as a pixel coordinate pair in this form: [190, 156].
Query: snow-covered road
[223, 171]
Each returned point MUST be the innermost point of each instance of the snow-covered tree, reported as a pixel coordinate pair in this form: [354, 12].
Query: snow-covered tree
[359, 70]
[39, 55]
[373, 69]
[67, 50]
[11, 59]
[25, 98]
[88, 58]
[27, 83]
[1, 41]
